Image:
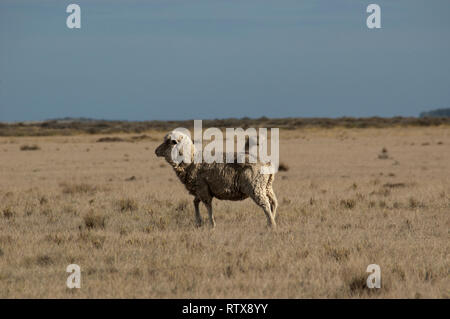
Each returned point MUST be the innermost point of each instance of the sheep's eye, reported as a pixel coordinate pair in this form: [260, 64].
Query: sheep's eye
[173, 142]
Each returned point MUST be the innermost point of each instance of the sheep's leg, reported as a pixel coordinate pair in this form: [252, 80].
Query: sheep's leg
[198, 217]
[210, 213]
[263, 202]
[273, 202]
[205, 196]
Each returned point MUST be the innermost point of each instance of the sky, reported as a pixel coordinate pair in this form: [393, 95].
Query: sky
[192, 59]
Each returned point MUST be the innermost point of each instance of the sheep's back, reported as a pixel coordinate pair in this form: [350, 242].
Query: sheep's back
[225, 180]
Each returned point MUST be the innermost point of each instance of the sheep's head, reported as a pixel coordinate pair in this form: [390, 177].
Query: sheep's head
[176, 148]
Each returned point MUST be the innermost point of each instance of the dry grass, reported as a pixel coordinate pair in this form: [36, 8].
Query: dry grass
[341, 209]
[127, 204]
[82, 188]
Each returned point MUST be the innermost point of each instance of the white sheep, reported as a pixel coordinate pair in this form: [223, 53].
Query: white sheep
[225, 181]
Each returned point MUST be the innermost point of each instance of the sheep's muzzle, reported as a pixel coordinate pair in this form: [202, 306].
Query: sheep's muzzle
[160, 150]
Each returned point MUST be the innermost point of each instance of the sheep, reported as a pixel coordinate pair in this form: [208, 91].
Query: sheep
[224, 181]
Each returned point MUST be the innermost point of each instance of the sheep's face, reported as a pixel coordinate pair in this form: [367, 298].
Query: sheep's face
[176, 148]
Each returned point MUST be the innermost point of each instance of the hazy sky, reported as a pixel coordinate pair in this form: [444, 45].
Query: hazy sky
[191, 59]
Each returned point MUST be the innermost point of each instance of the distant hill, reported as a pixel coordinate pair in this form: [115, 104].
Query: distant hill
[72, 126]
[75, 119]
[436, 113]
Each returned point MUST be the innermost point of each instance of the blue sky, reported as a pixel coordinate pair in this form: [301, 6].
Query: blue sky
[180, 59]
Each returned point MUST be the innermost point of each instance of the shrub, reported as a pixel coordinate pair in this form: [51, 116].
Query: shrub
[384, 154]
[394, 185]
[348, 203]
[110, 139]
[414, 203]
[44, 260]
[127, 204]
[8, 213]
[283, 167]
[27, 147]
[92, 220]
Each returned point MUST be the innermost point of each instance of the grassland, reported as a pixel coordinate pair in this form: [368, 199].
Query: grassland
[350, 197]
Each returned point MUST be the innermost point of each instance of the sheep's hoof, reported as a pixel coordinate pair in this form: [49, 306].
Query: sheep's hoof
[198, 224]
[271, 225]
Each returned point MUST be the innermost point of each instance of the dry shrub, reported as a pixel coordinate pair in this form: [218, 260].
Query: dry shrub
[382, 192]
[109, 139]
[92, 220]
[182, 205]
[43, 200]
[27, 147]
[8, 213]
[384, 154]
[127, 204]
[348, 203]
[283, 167]
[82, 188]
[355, 283]
[394, 185]
[44, 260]
[414, 203]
